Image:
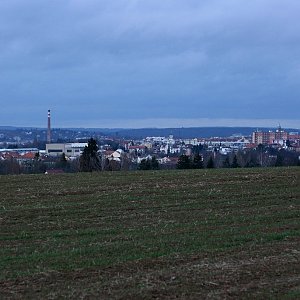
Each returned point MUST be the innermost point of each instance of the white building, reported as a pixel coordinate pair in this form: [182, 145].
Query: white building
[116, 155]
[69, 149]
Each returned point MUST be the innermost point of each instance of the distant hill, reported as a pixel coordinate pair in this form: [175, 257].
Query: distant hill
[184, 132]
[8, 128]
[193, 132]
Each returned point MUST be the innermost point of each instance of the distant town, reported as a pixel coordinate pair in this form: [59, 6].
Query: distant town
[59, 150]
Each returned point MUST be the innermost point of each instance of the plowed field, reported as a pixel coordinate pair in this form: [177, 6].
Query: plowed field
[190, 234]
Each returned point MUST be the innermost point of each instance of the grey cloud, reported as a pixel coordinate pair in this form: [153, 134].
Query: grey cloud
[223, 58]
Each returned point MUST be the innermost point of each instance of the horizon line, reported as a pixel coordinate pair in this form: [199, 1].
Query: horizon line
[161, 123]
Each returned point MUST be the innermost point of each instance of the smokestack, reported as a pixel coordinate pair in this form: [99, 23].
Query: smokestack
[49, 128]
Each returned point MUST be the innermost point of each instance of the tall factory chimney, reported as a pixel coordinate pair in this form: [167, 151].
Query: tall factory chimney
[49, 128]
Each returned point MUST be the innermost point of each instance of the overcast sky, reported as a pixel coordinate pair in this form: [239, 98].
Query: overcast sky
[150, 63]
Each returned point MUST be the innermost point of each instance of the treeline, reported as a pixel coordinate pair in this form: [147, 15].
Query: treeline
[260, 157]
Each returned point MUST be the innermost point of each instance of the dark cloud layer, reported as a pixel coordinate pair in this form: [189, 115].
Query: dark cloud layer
[94, 61]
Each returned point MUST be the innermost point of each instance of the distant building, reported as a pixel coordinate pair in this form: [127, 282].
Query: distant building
[139, 149]
[69, 149]
[269, 137]
[20, 151]
[263, 137]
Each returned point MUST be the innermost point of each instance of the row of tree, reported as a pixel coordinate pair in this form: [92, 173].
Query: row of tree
[239, 160]
[190, 162]
[197, 162]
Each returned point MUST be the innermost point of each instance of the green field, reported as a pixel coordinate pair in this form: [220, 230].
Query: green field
[190, 234]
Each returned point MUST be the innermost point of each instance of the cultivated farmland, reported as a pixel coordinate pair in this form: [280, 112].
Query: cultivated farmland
[190, 234]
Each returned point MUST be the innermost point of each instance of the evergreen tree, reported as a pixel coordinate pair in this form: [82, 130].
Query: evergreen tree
[226, 163]
[63, 157]
[197, 162]
[89, 159]
[210, 163]
[235, 162]
[184, 162]
[279, 161]
[260, 149]
[145, 164]
[154, 163]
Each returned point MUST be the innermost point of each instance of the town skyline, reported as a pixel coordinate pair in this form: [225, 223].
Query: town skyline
[59, 150]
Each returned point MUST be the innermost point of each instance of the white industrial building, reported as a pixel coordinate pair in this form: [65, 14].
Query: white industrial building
[69, 149]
